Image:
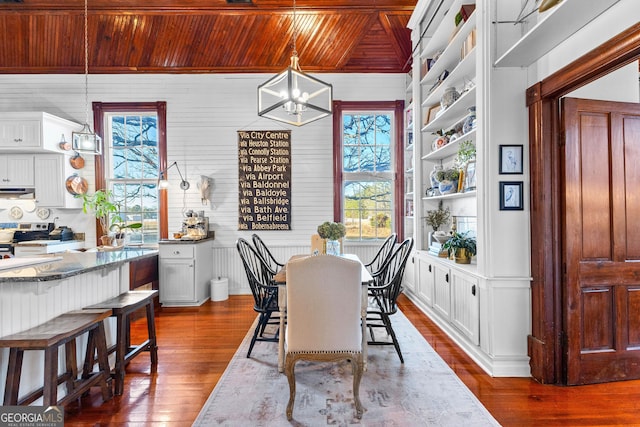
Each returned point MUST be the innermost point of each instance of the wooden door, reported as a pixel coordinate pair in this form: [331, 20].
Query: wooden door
[601, 234]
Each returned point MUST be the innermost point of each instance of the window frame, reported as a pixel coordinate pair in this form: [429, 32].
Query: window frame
[339, 107]
[100, 109]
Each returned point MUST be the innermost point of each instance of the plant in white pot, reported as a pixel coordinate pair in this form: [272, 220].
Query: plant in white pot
[448, 180]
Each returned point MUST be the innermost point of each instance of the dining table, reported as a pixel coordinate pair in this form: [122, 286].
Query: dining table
[280, 279]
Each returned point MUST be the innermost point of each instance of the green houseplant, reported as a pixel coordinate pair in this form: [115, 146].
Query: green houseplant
[332, 232]
[461, 247]
[437, 217]
[107, 212]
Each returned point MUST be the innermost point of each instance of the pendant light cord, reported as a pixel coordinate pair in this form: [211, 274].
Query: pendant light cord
[86, 65]
[295, 29]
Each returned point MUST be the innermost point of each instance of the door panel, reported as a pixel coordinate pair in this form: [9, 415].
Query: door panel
[602, 239]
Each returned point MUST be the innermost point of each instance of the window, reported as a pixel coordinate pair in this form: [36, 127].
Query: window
[367, 144]
[134, 152]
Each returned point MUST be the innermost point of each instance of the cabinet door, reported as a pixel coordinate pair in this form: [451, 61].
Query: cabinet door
[410, 275]
[426, 285]
[465, 305]
[177, 281]
[49, 181]
[442, 291]
[16, 171]
[19, 133]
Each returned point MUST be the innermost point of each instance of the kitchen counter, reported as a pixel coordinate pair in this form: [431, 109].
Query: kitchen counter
[186, 241]
[64, 265]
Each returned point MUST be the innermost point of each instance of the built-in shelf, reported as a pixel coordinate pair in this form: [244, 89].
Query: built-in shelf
[451, 148]
[553, 27]
[465, 70]
[452, 196]
[455, 112]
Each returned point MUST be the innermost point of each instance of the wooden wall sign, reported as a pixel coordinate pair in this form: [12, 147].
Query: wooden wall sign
[264, 172]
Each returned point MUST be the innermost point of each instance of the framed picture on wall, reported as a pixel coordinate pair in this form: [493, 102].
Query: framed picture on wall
[511, 159]
[511, 198]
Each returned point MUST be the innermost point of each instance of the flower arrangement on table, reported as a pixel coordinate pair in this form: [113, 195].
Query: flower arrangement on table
[331, 232]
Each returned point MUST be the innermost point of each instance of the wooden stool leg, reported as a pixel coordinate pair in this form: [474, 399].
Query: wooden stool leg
[13, 376]
[151, 328]
[50, 390]
[72, 365]
[103, 360]
[121, 352]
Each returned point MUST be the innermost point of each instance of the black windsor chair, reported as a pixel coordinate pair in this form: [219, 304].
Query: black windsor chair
[384, 252]
[265, 292]
[383, 293]
[271, 262]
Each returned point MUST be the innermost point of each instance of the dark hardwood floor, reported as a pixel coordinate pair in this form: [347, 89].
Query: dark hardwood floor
[195, 345]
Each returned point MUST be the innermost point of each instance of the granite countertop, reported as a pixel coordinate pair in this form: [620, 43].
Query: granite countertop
[47, 242]
[69, 264]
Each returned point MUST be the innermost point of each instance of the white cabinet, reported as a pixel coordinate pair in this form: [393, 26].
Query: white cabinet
[425, 286]
[186, 270]
[465, 307]
[441, 291]
[34, 132]
[409, 279]
[51, 171]
[16, 171]
[17, 134]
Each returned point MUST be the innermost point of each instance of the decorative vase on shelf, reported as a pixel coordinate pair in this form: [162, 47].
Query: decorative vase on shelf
[432, 175]
[449, 96]
[448, 187]
[470, 122]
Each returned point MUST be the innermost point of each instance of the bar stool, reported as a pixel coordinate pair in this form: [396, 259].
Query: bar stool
[122, 307]
[48, 336]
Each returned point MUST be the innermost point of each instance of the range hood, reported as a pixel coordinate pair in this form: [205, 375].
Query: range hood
[17, 193]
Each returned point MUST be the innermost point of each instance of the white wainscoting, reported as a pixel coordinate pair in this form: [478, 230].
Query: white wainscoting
[227, 262]
[24, 305]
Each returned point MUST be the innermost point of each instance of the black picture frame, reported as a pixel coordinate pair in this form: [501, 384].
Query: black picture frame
[511, 157]
[511, 197]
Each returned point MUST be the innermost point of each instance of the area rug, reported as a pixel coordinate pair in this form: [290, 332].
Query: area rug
[423, 391]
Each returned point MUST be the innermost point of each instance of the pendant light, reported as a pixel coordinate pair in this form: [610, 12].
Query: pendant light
[292, 96]
[85, 141]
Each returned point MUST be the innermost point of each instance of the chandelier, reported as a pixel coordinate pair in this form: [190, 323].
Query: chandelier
[292, 96]
[85, 140]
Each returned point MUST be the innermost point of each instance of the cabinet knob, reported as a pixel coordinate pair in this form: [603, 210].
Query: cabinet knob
[176, 252]
[17, 140]
[446, 277]
[473, 290]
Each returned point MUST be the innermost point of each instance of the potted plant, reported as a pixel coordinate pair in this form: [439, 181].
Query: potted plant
[437, 217]
[448, 180]
[461, 247]
[466, 152]
[332, 232]
[120, 227]
[106, 211]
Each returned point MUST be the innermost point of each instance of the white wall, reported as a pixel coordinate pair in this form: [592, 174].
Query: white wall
[204, 112]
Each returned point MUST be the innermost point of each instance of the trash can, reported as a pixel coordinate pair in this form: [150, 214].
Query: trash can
[219, 289]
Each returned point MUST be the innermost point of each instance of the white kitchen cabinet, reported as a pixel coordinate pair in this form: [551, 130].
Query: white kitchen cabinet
[426, 285]
[16, 171]
[465, 307]
[442, 291]
[34, 132]
[186, 270]
[51, 171]
[409, 279]
[16, 134]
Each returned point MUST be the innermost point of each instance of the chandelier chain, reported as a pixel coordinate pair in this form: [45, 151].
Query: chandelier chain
[86, 63]
[295, 29]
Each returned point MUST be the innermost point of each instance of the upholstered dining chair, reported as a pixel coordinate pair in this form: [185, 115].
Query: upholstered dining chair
[383, 253]
[265, 292]
[271, 262]
[324, 306]
[383, 293]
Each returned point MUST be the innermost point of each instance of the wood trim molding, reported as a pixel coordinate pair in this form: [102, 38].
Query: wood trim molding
[160, 107]
[545, 346]
[398, 108]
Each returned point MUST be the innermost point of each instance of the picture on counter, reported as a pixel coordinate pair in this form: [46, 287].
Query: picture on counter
[510, 159]
[470, 176]
[511, 198]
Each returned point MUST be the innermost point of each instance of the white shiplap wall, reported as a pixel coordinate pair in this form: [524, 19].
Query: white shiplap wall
[204, 112]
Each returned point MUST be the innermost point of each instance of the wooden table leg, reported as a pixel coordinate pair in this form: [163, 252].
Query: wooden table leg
[282, 305]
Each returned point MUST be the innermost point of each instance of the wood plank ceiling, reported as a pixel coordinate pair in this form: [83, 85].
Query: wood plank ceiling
[204, 36]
